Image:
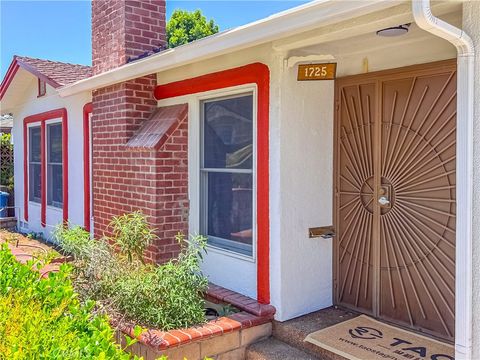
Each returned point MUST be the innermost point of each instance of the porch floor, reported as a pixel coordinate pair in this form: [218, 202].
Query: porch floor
[287, 337]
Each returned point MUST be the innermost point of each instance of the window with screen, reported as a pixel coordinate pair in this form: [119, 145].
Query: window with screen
[34, 166]
[54, 165]
[227, 173]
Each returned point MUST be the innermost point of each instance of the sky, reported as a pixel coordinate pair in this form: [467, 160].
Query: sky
[60, 30]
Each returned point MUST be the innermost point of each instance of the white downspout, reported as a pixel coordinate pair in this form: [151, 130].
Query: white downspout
[464, 188]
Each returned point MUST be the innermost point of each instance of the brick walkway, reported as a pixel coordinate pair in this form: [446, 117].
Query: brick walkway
[25, 249]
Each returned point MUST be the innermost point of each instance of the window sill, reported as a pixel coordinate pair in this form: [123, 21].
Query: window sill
[233, 254]
[54, 208]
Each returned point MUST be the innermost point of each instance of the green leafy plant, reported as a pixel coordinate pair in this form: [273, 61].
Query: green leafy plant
[166, 296]
[132, 233]
[185, 26]
[96, 266]
[35, 235]
[43, 318]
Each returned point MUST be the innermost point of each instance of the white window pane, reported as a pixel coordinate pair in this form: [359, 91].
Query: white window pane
[54, 165]
[35, 190]
[34, 168]
[55, 143]
[34, 151]
[228, 133]
[55, 185]
[229, 211]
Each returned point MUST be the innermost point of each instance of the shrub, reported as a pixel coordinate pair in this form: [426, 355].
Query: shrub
[132, 234]
[95, 267]
[166, 296]
[43, 318]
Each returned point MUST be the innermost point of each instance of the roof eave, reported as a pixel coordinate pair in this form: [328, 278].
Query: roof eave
[293, 21]
[12, 70]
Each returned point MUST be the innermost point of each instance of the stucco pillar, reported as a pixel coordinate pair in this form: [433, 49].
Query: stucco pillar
[471, 25]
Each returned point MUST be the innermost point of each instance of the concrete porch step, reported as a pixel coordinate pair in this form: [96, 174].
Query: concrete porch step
[293, 332]
[273, 349]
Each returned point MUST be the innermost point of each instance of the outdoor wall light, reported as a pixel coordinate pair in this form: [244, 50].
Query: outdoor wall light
[394, 31]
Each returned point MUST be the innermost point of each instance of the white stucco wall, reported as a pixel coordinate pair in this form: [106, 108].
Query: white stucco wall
[471, 24]
[31, 105]
[304, 148]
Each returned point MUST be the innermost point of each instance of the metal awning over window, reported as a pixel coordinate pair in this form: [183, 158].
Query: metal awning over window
[155, 131]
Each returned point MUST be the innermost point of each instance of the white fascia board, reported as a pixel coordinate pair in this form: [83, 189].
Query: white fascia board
[293, 21]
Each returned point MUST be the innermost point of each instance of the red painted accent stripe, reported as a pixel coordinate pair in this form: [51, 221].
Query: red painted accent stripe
[12, 70]
[258, 74]
[43, 175]
[25, 171]
[65, 164]
[87, 110]
[42, 118]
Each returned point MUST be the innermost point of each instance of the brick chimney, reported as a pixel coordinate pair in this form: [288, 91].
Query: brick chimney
[125, 179]
[122, 29]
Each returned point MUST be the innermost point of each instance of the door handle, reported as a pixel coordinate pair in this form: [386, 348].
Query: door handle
[383, 200]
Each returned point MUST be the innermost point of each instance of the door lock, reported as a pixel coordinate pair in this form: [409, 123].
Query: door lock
[385, 192]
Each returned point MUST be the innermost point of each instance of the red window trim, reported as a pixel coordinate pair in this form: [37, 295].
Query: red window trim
[87, 110]
[259, 74]
[42, 118]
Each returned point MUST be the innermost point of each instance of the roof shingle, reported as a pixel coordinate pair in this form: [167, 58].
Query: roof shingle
[58, 73]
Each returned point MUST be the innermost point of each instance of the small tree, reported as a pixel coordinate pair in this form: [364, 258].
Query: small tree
[184, 27]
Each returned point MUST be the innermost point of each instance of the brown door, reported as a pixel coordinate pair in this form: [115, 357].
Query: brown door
[395, 196]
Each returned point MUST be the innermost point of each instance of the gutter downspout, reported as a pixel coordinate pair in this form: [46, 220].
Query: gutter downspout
[424, 18]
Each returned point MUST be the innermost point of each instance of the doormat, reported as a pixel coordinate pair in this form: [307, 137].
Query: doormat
[363, 338]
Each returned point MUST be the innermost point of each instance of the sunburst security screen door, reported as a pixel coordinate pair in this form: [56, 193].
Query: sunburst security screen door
[395, 196]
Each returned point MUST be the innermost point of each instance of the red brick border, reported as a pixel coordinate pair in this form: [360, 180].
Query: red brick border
[252, 314]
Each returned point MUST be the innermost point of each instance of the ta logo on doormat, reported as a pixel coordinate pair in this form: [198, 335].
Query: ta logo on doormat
[399, 346]
[364, 338]
[365, 332]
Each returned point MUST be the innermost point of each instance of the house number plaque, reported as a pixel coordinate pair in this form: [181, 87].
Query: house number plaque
[317, 72]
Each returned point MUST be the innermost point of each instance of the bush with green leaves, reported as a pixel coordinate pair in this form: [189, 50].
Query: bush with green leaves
[132, 234]
[185, 26]
[44, 319]
[95, 265]
[166, 296]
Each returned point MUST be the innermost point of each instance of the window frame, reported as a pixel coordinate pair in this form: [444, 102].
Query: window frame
[218, 95]
[29, 139]
[49, 123]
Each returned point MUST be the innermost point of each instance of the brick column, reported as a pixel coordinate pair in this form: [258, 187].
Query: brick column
[124, 180]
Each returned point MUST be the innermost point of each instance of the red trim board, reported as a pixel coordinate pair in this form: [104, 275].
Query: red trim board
[258, 74]
[87, 110]
[42, 118]
[12, 70]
